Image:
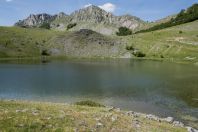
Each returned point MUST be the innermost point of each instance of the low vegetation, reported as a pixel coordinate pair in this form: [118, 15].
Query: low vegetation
[45, 26]
[45, 53]
[89, 103]
[35, 116]
[124, 31]
[71, 25]
[138, 54]
[130, 48]
[135, 52]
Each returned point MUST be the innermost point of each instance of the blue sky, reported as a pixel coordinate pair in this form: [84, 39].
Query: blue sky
[148, 10]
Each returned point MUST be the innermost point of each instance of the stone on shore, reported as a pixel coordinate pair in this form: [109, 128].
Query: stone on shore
[169, 119]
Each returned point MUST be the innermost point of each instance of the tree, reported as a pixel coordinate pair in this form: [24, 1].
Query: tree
[45, 25]
[124, 31]
[45, 53]
[71, 25]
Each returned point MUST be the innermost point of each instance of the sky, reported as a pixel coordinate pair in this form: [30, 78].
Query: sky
[149, 10]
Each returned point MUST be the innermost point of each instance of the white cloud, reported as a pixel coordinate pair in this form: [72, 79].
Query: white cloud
[85, 6]
[9, 0]
[109, 7]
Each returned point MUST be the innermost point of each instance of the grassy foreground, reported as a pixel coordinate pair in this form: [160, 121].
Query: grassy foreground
[35, 116]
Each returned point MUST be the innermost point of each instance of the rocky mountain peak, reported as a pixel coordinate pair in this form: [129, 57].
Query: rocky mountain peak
[91, 14]
[35, 20]
[91, 17]
[61, 15]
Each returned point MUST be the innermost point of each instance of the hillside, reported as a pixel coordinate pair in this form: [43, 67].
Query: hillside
[92, 17]
[175, 43]
[178, 43]
[23, 42]
[33, 42]
[158, 22]
[185, 16]
[87, 43]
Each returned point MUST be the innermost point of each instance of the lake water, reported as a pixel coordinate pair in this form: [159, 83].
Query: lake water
[161, 88]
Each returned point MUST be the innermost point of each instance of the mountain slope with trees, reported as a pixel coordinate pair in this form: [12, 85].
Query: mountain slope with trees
[185, 16]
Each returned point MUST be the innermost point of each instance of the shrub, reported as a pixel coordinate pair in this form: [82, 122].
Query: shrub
[71, 25]
[45, 26]
[44, 41]
[129, 48]
[180, 32]
[89, 103]
[161, 56]
[124, 31]
[139, 54]
[45, 53]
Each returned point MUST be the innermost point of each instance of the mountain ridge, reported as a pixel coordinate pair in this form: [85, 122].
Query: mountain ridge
[92, 15]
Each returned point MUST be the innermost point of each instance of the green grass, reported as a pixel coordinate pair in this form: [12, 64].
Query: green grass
[36, 116]
[89, 103]
[168, 43]
[23, 42]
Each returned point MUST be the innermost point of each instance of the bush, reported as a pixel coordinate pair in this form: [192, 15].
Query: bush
[45, 53]
[124, 31]
[71, 25]
[129, 48]
[89, 103]
[180, 32]
[45, 26]
[161, 56]
[139, 54]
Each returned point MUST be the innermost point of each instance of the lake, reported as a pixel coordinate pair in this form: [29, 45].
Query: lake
[161, 88]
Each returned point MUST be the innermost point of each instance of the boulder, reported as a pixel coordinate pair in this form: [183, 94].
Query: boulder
[169, 119]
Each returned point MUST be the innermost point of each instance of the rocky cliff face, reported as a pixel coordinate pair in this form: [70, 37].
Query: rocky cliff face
[36, 20]
[92, 15]
[95, 14]
[129, 21]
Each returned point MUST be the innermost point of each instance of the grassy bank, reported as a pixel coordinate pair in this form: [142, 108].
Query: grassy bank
[35, 116]
[178, 43]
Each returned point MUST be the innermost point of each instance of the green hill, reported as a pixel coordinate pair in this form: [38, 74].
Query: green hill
[23, 42]
[175, 43]
[18, 42]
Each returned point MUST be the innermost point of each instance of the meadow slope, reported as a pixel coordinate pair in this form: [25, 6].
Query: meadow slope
[178, 43]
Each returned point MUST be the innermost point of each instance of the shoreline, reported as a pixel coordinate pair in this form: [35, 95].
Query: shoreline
[114, 115]
[46, 58]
